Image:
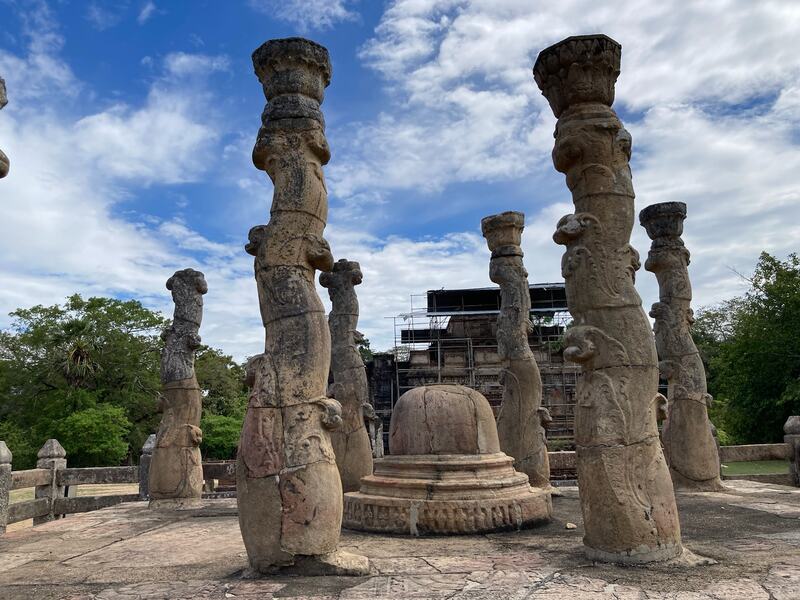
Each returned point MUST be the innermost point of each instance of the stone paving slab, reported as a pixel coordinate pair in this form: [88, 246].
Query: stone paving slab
[128, 552]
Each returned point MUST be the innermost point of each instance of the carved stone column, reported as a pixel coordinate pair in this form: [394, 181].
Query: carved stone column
[689, 445]
[351, 443]
[4, 162]
[288, 487]
[521, 418]
[627, 498]
[176, 467]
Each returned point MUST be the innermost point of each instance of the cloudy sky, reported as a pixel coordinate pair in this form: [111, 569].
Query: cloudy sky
[130, 126]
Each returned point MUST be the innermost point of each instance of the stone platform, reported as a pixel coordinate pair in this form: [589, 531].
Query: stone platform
[128, 552]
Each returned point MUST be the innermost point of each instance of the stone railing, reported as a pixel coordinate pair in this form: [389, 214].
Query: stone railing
[563, 464]
[55, 485]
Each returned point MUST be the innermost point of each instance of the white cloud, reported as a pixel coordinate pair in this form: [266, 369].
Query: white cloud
[307, 14]
[709, 91]
[147, 11]
[64, 227]
[39, 74]
[710, 95]
[103, 17]
[181, 64]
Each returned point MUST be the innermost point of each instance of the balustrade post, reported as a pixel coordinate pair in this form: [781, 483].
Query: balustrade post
[144, 466]
[5, 484]
[792, 439]
[52, 456]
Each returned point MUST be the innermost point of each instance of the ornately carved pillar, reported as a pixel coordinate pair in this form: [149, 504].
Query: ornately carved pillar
[351, 441]
[627, 498]
[521, 418]
[288, 487]
[176, 468]
[689, 445]
[4, 163]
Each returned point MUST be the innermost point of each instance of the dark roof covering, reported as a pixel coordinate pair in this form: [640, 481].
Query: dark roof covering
[545, 298]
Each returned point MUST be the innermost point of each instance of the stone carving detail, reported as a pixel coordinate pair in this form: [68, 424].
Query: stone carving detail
[176, 467]
[520, 423]
[4, 162]
[689, 444]
[288, 487]
[351, 443]
[626, 493]
[445, 473]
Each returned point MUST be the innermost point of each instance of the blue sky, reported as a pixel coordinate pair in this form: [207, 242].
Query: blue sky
[130, 126]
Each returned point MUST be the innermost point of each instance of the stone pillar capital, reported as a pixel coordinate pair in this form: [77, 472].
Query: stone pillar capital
[503, 233]
[579, 69]
[664, 221]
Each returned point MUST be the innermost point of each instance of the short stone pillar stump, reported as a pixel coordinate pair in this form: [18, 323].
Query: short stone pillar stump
[445, 473]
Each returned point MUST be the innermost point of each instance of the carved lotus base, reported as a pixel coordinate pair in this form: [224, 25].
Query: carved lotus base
[445, 494]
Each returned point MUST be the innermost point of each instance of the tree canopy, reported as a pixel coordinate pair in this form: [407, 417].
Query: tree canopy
[87, 373]
[751, 349]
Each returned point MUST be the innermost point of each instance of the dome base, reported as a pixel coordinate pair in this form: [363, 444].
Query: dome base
[445, 495]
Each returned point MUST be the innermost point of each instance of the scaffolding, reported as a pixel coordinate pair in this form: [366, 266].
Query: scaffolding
[450, 336]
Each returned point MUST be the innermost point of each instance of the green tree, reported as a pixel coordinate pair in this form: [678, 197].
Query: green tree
[58, 361]
[752, 350]
[221, 380]
[95, 436]
[220, 436]
[363, 348]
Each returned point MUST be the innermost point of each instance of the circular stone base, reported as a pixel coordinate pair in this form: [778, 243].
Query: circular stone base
[638, 556]
[175, 503]
[445, 495]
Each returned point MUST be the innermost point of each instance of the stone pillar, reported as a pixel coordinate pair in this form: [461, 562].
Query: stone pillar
[176, 468]
[520, 421]
[145, 459]
[792, 439]
[288, 487]
[52, 456]
[4, 163]
[5, 484]
[626, 493]
[375, 430]
[351, 443]
[687, 436]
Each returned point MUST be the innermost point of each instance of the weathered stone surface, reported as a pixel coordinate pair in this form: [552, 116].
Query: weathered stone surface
[128, 552]
[5, 484]
[445, 473]
[442, 419]
[176, 467]
[520, 423]
[288, 486]
[689, 445]
[351, 443]
[792, 440]
[4, 162]
[51, 456]
[626, 492]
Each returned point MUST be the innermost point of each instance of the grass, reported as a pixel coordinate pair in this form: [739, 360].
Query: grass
[756, 467]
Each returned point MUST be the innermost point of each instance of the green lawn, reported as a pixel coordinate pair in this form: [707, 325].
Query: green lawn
[756, 467]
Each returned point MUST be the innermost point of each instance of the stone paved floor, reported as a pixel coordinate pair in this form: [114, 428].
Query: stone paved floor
[128, 552]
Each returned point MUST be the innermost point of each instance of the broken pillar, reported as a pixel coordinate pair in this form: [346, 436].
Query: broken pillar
[520, 422]
[351, 443]
[176, 467]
